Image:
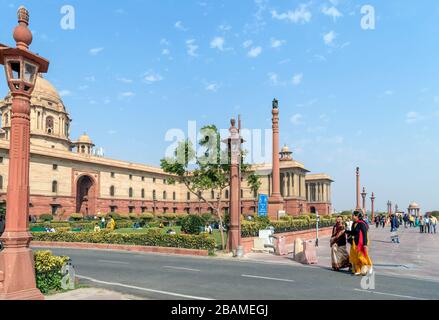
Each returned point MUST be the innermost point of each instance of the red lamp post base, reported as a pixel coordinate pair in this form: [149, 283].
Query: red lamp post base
[275, 204]
[17, 269]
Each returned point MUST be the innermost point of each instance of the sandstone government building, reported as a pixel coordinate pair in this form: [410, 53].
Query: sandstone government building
[67, 177]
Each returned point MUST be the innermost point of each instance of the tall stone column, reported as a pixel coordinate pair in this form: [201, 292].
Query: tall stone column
[275, 202]
[358, 206]
[372, 199]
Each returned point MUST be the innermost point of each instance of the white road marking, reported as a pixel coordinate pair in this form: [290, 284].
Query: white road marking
[265, 278]
[112, 261]
[390, 294]
[181, 268]
[143, 289]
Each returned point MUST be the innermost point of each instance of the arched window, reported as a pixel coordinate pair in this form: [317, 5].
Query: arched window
[130, 192]
[143, 193]
[154, 196]
[227, 194]
[54, 186]
[49, 124]
[1, 182]
[164, 195]
[188, 196]
[112, 191]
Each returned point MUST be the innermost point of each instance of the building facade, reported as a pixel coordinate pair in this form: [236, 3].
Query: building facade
[67, 177]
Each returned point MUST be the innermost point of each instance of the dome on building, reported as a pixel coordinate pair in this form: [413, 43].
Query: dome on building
[85, 139]
[414, 205]
[44, 90]
[285, 149]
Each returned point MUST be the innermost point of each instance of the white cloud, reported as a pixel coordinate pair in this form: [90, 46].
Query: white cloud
[273, 78]
[212, 87]
[329, 38]
[299, 15]
[90, 78]
[191, 48]
[254, 52]
[127, 94]
[166, 52]
[152, 77]
[164, 42]
[296, 119]
[388, 92]
[413, 117]
[83, 87]
[247, 43]
[125, 80]
[332, 12]
[275, 43]
[179, 25]
[65, 93]
[224, 27]
[217, 43]
[297, 79]
[95, 51]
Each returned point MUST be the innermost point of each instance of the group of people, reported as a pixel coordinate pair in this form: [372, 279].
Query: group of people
[427, 224]
[354, 232]
[105, 224]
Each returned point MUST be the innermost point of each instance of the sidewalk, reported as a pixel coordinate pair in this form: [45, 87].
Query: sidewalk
[91, 294]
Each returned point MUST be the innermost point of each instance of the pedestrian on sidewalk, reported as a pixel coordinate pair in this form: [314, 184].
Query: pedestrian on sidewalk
[406, 220]
[383, 221]
[359, 255]
[339, 254]
[433, 224]
[377, 222]
[421, 224]
[394, 225]
[427, 224]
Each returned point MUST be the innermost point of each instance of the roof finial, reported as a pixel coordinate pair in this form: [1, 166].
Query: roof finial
[22, 34]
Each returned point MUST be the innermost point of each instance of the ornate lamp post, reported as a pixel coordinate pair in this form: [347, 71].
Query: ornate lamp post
[372, 199]
[363, 195]
[17, 274]
[234, 146]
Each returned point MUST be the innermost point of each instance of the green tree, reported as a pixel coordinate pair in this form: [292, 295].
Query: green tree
[206, 172]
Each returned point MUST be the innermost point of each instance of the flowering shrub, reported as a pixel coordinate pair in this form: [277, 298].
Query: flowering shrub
[48, 270]
[76, 217]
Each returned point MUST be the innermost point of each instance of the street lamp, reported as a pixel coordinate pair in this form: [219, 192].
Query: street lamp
[234, 148]
[17, 273]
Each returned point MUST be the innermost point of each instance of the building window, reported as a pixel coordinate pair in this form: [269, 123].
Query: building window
[112, 191]
[1, 182]
[49, 124]
[130, 192]
[143, 209]
[113, 175]
[1, 159]
[55, 167]
[131, 209]
[164, 195]
[143, 178]
[164, 181]
[131, 177]
[188, 196]
[154, 195]
[227, 194]
[212, 194]
[242, 193]
[143, 193]
[55, 186]
[113, 209]
[153, 180]
[174, 196]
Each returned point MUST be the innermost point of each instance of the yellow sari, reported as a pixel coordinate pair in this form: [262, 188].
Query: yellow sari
[359, 256]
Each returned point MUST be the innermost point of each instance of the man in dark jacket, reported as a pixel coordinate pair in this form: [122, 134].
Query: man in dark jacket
[394, 225]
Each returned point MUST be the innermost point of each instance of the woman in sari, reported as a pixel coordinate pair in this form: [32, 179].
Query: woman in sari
[339, 254]
[359, 255]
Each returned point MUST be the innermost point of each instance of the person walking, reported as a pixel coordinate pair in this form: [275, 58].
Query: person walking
[421, 224]
[394, 225]
[377, 222]
[433, 224]
[339, 254]
[427, 224]
[383, 221]
[359, 254]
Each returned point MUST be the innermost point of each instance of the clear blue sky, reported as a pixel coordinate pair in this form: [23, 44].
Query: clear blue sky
[131, 70]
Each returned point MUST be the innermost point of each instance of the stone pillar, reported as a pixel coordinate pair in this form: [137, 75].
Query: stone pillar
[358, 206]
[372, 208]
[275, 202]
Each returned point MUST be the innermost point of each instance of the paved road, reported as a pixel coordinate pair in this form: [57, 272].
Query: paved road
[153, 276]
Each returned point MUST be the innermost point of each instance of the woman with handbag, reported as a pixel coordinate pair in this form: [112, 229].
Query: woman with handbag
[339, 254]
[359, 254]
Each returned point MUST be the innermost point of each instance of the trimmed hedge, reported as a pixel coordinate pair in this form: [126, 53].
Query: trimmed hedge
[153, 238]
[251, 229]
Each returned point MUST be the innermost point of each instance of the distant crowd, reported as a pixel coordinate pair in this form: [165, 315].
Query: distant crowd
[426, 223]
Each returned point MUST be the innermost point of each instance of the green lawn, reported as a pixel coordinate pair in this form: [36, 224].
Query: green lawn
[216, 234]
